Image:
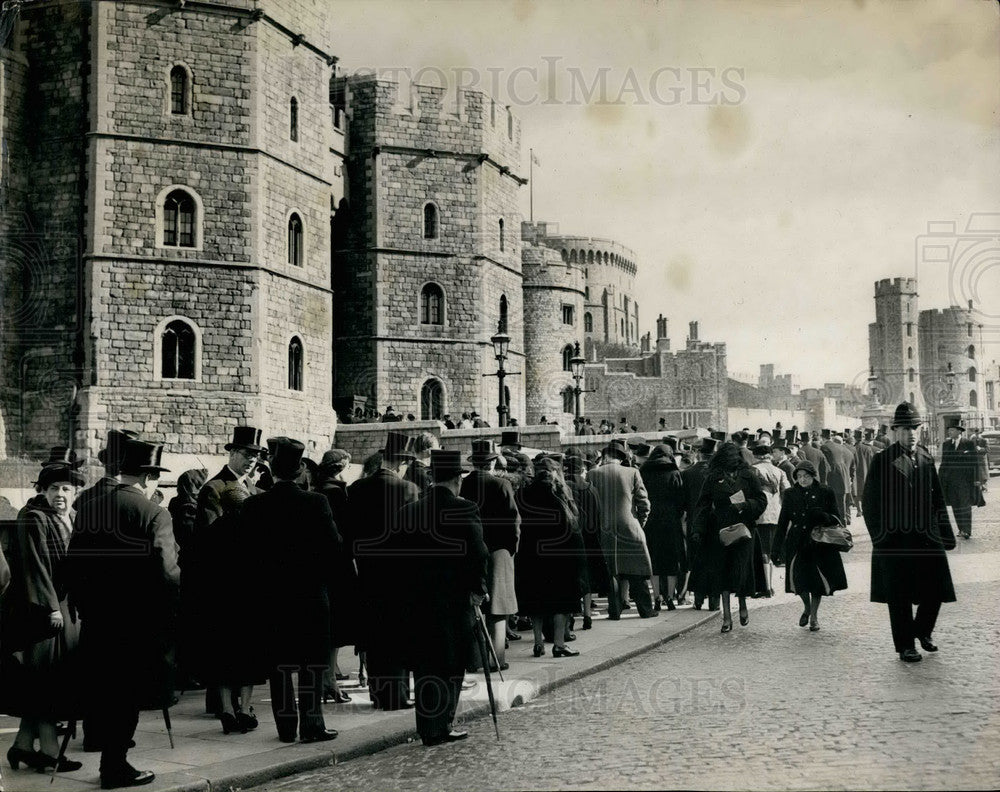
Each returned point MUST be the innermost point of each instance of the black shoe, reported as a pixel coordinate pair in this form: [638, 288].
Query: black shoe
[804, 619]
[65, 765]
[570, 636]
[926, 645]
[588, 623]
[657, 605]
[247, 721]
[744, 618]
[563, 651]
[910, 656]
[538, 650]
[126, 776]
[15, 756]
[513, 636]
[452, 736]
[321, 736]
[670, 605]
[650, 615]
[287, 738]
[727, 626]
[230, 724]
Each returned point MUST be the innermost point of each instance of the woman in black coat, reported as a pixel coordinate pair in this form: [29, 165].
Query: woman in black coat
[812, 570]
[664, 527]
[549, 566]
[588, 508]
[731, 494]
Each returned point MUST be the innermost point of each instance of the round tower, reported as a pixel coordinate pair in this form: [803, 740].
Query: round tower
[553, 310]
[951, 348]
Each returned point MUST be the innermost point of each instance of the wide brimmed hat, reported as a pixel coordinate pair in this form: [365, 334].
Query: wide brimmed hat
[662, 451]
[62, 455]
[640, 448]
[114, 447]
[617, 447]
[141, 457]
[906, 416]
[446, 464]
[398, 446]
[483, 451]
[808, 467]
[246, 437]
[954, 422]
[55, 473]
[511, 439]
[286, 458]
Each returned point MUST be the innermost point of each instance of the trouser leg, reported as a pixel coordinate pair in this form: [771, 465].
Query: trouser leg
[926, 618]
[310, 696]
[117, 724]
[283, 707]
[436, 702]
[615, 598]
[639, 586]
[963, 519]
[901, 622]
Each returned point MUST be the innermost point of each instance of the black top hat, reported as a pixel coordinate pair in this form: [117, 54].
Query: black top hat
[286, 458]
[669, 440]
[61, 455]
[114, 446]
[483, 451]
[825, 434]
[709, 444]
[272, 443]
[55, 473]
[141, 457]
[245, 437]
[803, 437]
[858, 434]
[398, 446]
[761, 449]
[762, 435]
[719, 436]
[512, 439]
[640, 448]
[617, 447]
[446, 464]
[954, 422]
[869, 434]
[789, 435]
[907, 416]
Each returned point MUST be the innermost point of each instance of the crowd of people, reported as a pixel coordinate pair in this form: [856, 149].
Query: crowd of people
[263, 571]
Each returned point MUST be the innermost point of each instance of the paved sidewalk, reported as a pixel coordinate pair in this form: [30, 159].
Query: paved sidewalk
[204, 758]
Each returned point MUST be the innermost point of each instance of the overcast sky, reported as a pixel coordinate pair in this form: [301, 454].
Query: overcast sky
[767, 162]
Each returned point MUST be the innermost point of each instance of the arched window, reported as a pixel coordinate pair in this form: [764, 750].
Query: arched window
[295, 363]
[179, 104]
[909, 328]
[911, 398]
[432, 400]
[909, 353]
[503, 312]
[295, 240]
[910, 374]
[431, 305]
[588, 323]
[572, 257]
[510, 124]
[590, 256]
[972, 352]
[973, 399]
[607, 258]
[430, 221]
[178, 350]
[569, 403]
[293, 119]
[501, 235]
[972, 373]
[565, 255]
[701, 369]
[178, 220]
[567, 357]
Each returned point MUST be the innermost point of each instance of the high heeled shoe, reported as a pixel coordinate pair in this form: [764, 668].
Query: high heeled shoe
[15, 756]
[538, 650]
[247, 721]
[744, 618]
[727, 626]
[804, 619]
[64, 765]
[588, 623]
[230, 724]
[814, 625]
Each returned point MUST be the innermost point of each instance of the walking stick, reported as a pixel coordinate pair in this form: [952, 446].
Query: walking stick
[483, 640]
[166, 720]
[489, 643]
[70, 732]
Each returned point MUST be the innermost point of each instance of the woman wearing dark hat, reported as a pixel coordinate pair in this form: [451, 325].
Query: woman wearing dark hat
[731, 496]
[549, 564]
[42, 625]
[664, 527]
[345, 596]
[813, 570]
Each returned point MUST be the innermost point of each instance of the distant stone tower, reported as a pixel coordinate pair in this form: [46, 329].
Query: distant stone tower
[172, 178]
[431, 262]
[553, 309]
[893, 343]
[951, 341]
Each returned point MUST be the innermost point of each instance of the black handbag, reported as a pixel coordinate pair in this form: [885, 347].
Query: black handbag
[834, 535]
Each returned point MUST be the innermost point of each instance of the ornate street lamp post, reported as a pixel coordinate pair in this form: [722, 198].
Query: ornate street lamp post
[576, 364]
[501, 343]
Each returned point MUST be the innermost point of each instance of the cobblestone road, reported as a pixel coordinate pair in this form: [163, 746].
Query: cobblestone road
[769, 706]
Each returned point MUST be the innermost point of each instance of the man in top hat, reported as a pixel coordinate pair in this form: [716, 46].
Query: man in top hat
[960, 474]
[510, 439]
[624, 509]
[494, 496]
[296, 538]
[244, 451]
[864, 453]
[907, 518]
[742, 441]
[123, 578]
[373, 503]
[882, 440]
[840, 472]
[443, 572]
[419, 470]
[693, 478]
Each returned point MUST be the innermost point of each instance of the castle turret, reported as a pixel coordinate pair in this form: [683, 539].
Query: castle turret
[893, 343]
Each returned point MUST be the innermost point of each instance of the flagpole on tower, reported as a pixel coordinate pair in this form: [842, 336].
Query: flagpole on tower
[531, 185]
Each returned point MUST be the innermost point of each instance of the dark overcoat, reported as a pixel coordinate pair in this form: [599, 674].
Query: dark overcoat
[588, 518]
[840, 474]
[693, 479]
[624, 509]
[864, 453]
[497, 510]
[737, 568]
[664, 527]
[420, 474]
[810, 567]
[906, 516]
[959, 473]
[292, 535]
[818, 458]
[345, 595]
[440, 536]
[123, 576]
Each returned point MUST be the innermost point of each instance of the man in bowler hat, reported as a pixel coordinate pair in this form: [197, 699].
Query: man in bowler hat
[296, 541]
[960, 474]
[444, 575]
[905, 514]
[124, 579]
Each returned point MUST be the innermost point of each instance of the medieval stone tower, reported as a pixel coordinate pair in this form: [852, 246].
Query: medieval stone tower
[554, 295]
[430, 263]
[893, 343]
[168, 179]
[951, 349]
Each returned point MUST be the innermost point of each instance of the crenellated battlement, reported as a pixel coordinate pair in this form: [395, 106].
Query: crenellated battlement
[892, 287]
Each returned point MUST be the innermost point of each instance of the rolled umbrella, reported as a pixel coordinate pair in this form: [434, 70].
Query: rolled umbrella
[484, 640]
[489, 643]
[166, 720]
